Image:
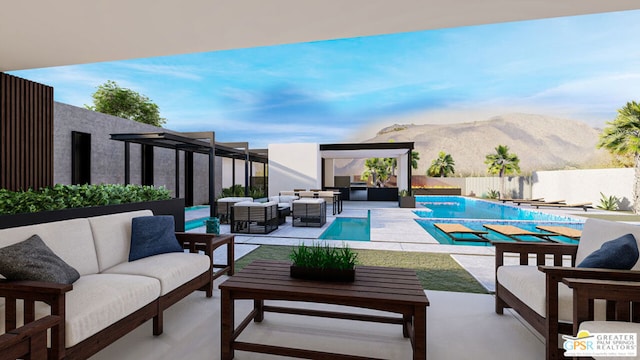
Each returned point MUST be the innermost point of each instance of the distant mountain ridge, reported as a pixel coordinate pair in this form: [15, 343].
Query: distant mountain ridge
[541, 142]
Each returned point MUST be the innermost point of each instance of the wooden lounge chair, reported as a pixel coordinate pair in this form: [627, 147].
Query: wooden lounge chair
[584, 205]
[515, 232]
[522, 201]
[562, 231]
[451, 229]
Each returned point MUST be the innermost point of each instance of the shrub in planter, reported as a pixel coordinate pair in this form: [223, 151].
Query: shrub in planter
[77, 196]
[323, 262]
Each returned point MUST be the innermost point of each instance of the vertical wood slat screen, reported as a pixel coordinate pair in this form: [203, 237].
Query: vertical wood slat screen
[26, 134]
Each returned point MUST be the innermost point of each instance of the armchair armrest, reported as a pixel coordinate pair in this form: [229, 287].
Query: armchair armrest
[622, 298]
[31, 291]
[28, 341]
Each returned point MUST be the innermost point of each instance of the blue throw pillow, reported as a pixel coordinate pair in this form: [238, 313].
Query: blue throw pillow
[152, 235]
[620, 253]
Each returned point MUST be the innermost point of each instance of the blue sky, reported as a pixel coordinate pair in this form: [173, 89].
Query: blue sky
[582, 68]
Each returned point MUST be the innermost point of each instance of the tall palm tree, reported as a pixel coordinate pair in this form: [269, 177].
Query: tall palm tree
[622, 137]
[415, 156]
[378, 170]
[442, 166]
[502, 163]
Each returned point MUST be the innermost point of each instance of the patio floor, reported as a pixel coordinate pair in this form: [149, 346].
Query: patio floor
[459, 325]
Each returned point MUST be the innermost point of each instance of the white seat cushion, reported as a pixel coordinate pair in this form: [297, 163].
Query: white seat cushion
[615, 327]
[172, 269]
[98, 301]
[527, 283]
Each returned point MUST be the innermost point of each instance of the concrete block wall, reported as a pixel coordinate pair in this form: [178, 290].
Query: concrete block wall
[107, 156]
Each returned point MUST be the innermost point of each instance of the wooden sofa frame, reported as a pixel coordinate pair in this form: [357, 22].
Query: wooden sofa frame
[54, 295]
[549, 326]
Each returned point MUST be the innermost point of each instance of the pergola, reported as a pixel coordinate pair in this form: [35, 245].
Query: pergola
[400, 150]
[192, 142]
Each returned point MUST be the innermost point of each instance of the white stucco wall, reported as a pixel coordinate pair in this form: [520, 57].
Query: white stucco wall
[329, 172]
[294, 166]
[576, 186]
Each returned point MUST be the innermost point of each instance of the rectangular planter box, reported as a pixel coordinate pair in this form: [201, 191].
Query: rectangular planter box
[337, 275]
[173, 207]
[407, 201]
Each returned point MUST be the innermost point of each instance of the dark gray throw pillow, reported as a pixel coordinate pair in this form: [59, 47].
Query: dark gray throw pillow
[33, 260]
[620, 253]
[152, 235]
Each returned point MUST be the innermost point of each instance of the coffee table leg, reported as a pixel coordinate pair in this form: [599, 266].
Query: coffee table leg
[407, 323]
[420, 333]
[258, 305]
[227, 325]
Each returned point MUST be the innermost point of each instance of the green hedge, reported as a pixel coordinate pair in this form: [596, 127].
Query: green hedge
[75, 196]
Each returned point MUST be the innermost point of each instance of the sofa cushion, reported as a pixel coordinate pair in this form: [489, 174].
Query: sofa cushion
[71, 240]
[596, 232]
[112, 237]
[98, 301]
[32, 259]
[153, 235]
[620, 254]
[527, 283]
[172, 269]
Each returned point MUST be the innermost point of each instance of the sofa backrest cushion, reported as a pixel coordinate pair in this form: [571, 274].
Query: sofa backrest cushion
[112, 237]
[71, 240]
[596, 232]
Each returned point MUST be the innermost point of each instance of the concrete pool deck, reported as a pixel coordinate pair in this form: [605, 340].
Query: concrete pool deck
[392, 228]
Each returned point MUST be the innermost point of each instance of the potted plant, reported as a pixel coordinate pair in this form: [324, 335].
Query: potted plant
[406, 199]
[323, 262]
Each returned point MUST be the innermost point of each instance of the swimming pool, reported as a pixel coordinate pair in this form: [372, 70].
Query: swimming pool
[474, 213]
[344, 228]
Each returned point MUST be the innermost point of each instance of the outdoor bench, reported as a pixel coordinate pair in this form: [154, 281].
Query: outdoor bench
[112, 295]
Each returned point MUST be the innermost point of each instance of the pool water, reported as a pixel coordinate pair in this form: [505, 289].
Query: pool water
[458, 207]
[194, 223]
[344, 228]
[473, 213]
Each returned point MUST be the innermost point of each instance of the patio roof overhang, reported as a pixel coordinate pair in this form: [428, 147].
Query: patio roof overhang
[37, 34]
[369, 150]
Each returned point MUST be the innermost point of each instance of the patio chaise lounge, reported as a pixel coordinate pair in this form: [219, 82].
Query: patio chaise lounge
[583, 205]
[452, 229]
[562, 231]
[515, 232]
[521, 201]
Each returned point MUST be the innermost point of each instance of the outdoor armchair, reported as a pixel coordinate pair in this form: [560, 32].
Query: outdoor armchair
[535, 290]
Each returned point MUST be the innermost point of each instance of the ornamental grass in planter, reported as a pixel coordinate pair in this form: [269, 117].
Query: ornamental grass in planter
[323, 262]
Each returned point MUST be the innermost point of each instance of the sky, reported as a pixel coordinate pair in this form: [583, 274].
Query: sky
[581, 67]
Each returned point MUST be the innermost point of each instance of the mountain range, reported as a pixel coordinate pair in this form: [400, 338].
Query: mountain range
[540, 142]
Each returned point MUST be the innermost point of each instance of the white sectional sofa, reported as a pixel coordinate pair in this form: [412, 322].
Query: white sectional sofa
[113, 295]
[535, 290]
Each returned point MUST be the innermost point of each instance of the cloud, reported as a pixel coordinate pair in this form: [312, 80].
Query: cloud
[177, 71]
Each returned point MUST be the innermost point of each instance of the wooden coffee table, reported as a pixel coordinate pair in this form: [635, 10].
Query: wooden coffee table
[379, 288]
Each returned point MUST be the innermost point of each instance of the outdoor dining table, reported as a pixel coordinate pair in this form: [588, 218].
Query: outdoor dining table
[337, 200]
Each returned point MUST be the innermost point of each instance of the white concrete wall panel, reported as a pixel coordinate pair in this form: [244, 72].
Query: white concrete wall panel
[294, 166]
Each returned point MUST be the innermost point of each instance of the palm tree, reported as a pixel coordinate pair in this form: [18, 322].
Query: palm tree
[502, 163]
[415, 156]
[378, 170]
[622, 137]
[442, 166]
